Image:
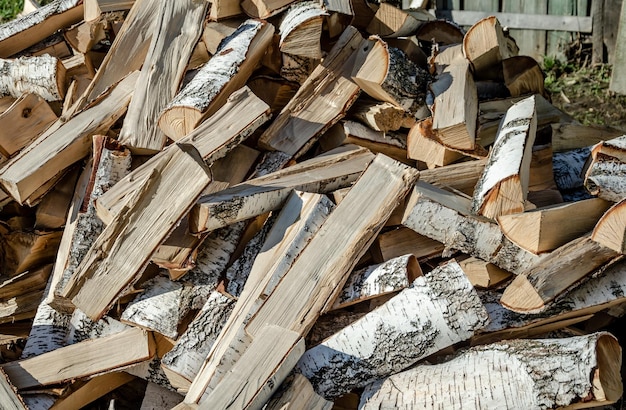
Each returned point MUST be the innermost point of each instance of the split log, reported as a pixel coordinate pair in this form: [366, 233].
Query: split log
[603, 176]
[424, 144]
[52, 210]
[222, 9]
[30, 29]
[133, 236]
[23, 306]
[378, 280]
[402, 241]
[308, 287]
[483, 274]
[541, 173]
[215, 32]
[296, 392]
[503, 187]
[301, 29]
[43, 76]
[297, 69]
[441, 32]
[545, 229]
[568, 168]
[27, 250]
[87, 358]
[610, 229]
[382, 343]
[523, 75]
[485, 44]
[462, 176]
[262, 9]
[380, 116]
[10, 399]
[322, 100]
[385, 74]
[162, 73]
[86, 393]
[63, 144]
[390, 21]
[531, 291]
[257, 196]
[32, 280]
[94, 9]
[569, 136]
[227, 71]
[158, 397]
[27, 118]
[544, 373]
[446, 217]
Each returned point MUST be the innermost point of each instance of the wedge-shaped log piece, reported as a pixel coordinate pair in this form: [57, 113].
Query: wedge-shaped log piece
[52, 211]
[503, 187]
[43, 76]
[483, 274]
[424, 144]
[322, 174]
[86, 393]
[412, 325]
[401, 241]
[23, 251]
[296, 392]
[531, 291]
[307, 286]
[94, 9]
[604, 174]
[322, 100]
[157, 396]
[23, 121]
[485, 44]
[446, 217]
[223, 9]
[10, 399]
[260, 371]
[64, 143]
[82, 359]
[30, 29]
[545, 229]
[545, 373]
[610, 229]
[380, 116]
[378, 280]
[227, 71]
[442, 32]
[177, 29]
[263, 9]
[386, 74]
[35, 279]
[23, 306]
[568, 168]
[455, 110]
[122, 250]
[301, 28]
[462, 176]
[390, 21]
[523, 75]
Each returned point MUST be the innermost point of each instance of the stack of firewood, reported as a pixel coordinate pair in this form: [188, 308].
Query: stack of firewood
[298, 204]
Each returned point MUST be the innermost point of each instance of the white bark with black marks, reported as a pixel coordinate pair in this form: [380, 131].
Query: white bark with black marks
[42, 75]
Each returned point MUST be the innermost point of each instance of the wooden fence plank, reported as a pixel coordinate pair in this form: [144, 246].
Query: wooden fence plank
[520, 21]
[530, 42]
[618, 77]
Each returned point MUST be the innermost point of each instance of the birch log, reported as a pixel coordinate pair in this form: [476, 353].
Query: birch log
[133, 236]
[568, 168]
[503, 187]
[30, 29]
[43, 76]
[436, 311]
[446, 217]
[228, 70]
[177, 30]
[321, 101]
[604, 175]
[611, 229]
[301, 29]
[485, 44]
[530, 374]
[257, 196]
[296, 392]
[63, 144]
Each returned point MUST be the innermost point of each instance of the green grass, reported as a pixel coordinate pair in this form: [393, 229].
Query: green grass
[9, 9]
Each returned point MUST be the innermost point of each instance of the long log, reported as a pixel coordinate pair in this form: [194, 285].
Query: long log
[435, 312]
[43, 76]
[546, 373]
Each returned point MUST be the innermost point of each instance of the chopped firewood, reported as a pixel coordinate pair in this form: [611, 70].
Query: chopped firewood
[390, 21]
[401, 241]
[483, 274]
[43, 76]
[24, 251]
[130, 239]
[92, 390]
[378, 280]
[442, 32]
[84, 36]
[391, 181]
[226, 71]
[34, 279]
[410, 46]
[380, 116]
[82, 359]
[568, 168]
[10, 399]
[297, 69]
[423, 144]
[503, 187]
[320, 102]
[568, 136]
[64, 143]
[27, 118]
[546, 373]
[322, 174]
[33, 27]
[158, 397]
[275, 91]
[523, 75]
[610, 229]
[22, 306]
[605, 170]
[532, 290]
[223, 9]
[455, 109]
[545, 229]
[94, 9]
[382, 342]
[301, 29]
[161, 74]
[468, 233]
[485, 44]
[541, 173]
[263, 9]
[52, 210]
[385, 74]
[296, 392]
[462, 176]
[215, 32]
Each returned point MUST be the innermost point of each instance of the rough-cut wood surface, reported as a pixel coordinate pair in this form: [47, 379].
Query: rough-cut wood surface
[94, 9]
[604, 175]
[10, 398]
[544, 373]
[483, 274]
[610, 229]
[485, 45]
[296, 392]
[264, 8]
[301, 29]
[177, 29]
[43, 76]
[435, 312]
